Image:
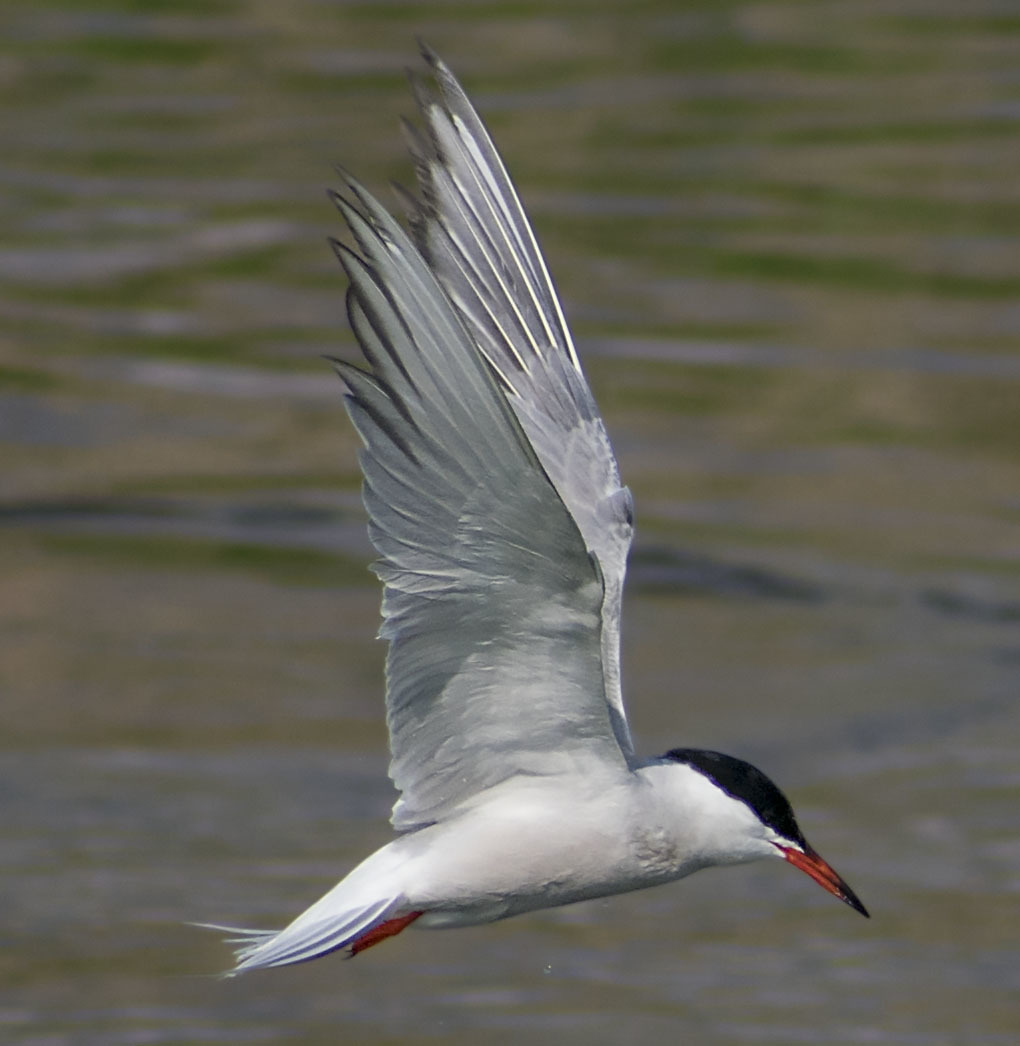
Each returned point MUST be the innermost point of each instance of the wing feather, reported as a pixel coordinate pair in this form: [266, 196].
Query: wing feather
[472, 229]
[491, 601]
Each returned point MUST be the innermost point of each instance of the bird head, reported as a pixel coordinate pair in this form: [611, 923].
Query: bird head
[762, 823]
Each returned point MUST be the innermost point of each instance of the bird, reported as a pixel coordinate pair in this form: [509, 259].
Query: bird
[502, 526]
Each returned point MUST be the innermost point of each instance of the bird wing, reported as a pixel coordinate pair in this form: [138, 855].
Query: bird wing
[491, 601]
[472, 230]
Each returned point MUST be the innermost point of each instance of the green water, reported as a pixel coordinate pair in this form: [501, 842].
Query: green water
[787, 236]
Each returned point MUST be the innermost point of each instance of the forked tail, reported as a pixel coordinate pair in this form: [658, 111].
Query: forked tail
[308, 937]
[363, 909]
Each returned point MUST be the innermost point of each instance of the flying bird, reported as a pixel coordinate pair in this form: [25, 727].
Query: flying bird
[495, 504]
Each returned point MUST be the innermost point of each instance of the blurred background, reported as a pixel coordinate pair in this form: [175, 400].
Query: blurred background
[786, 236]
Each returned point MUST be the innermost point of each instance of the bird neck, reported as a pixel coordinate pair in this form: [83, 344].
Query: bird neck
[704, 824]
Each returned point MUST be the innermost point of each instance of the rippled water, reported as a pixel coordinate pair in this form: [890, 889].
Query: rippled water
[787, 238]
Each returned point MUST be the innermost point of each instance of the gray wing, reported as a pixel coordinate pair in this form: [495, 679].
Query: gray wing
[473, 231]
[491, 602]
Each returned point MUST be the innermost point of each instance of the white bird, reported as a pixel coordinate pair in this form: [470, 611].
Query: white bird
[496, 507]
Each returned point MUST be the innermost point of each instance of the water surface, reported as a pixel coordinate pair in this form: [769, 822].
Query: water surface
[786, 236]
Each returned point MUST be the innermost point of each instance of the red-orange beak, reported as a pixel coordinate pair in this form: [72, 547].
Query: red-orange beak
[822, 872]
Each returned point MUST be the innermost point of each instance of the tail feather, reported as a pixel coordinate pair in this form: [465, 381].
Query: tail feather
[239, 934]
[305, 938]
[367, 906]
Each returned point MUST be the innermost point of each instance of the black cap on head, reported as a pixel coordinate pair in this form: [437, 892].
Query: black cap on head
[748, 784]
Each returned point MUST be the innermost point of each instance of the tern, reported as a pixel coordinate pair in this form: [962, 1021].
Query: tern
[495, 504]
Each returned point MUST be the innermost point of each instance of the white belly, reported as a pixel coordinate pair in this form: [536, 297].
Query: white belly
[529, 846]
